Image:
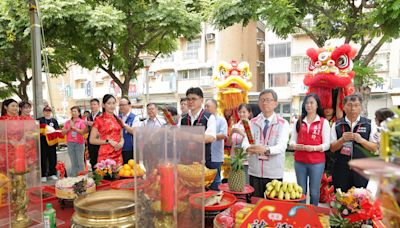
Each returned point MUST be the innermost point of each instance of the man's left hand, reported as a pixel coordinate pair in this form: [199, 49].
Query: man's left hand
[256, 149]
[358, 138]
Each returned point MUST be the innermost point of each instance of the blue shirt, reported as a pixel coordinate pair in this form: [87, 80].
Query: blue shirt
[217, 147]
[128, 138]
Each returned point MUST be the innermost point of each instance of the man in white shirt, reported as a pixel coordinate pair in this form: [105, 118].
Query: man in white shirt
[152, 119]
[217, 147]
[271, 134]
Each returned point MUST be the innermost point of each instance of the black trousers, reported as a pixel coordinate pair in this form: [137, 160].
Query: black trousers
[258, 183]
[93, 154]
[345, 178]
[127, 155]
[48, 158]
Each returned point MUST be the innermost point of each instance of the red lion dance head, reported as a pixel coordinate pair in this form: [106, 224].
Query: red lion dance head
[330, 73]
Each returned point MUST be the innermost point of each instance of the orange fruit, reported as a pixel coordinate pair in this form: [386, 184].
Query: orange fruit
[131, 163]
[132, 172]
[121, 172]
[127, 173]
[127, 167]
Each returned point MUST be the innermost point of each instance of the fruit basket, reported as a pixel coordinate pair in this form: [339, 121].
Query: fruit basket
[128, 170]
[191, 175]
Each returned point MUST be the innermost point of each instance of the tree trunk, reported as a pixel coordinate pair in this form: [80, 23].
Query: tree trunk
[125, 88]
[365, 92]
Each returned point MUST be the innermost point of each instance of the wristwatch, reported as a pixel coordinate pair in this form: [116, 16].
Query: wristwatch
[107, 141]
[266, 151]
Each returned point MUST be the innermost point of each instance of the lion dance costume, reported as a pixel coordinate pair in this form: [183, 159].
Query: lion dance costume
[233, 84]
[330, 77]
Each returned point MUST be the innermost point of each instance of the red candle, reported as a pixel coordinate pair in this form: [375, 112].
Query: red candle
[20, 165]
[167, 184]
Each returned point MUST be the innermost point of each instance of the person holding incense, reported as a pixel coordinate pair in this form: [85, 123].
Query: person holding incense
[267, 154]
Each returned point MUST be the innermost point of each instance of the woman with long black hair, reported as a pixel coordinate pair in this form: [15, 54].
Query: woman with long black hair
[310, 138]
[107, 132]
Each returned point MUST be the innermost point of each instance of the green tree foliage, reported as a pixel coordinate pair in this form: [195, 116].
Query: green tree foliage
[112, 34]
[369, 23]
[15, 49]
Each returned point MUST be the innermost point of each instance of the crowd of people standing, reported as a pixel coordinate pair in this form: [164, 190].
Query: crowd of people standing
[108, 135]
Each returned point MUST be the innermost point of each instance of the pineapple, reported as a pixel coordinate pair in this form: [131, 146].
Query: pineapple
[237, 178]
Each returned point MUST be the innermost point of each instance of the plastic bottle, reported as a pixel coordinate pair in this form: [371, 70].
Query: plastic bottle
[49, 216]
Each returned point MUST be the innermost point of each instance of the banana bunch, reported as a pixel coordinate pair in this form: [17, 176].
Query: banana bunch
[283, 190]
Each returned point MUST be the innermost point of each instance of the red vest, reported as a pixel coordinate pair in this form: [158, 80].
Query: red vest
[311, 138]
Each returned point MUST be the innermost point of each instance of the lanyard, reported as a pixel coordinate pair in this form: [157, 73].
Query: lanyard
[269, 135]
[198, 119]
[358, 128]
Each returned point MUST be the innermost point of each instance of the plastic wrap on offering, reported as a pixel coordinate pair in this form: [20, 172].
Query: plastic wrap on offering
[21, 193]
[173, 159]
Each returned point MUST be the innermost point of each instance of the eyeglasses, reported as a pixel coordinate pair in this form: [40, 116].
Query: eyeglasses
[268, 101]
[190, 99]
[46, 110]
[121, 105]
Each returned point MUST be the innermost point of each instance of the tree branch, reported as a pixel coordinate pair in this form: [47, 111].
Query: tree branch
[112, 75]
[375, 49]
[311, 35]
[364, 44]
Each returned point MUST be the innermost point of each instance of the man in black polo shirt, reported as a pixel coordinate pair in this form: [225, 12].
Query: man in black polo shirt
[351, 138]
[198, 117]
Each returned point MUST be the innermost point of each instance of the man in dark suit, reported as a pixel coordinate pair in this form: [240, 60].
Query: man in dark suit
[93, 149]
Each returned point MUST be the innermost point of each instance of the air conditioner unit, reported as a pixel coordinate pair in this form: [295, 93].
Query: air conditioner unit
[151, 74]
[210, 37]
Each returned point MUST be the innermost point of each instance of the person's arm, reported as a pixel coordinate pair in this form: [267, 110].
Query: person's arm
[119, 145]
[81, 129]
[210, 133]
[283, 138]
[369, 144]
[336, 143]
[66, 128]
[223, 131]
[95, 139]
[293, 139]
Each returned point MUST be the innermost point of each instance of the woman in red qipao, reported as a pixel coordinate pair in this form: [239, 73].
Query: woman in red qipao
[25, 109]
[107, 132]
[9, 132]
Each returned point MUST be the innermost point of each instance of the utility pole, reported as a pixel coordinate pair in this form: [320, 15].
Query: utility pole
[36, 60]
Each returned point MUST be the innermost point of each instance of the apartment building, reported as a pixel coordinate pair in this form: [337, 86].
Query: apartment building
[286, 64]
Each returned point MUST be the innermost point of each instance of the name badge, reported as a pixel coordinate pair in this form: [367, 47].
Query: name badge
[347, 148]
[362, 130]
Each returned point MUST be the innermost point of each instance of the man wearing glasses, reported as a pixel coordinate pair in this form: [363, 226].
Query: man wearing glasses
[198, 117]
[271, 134]
[351, 137]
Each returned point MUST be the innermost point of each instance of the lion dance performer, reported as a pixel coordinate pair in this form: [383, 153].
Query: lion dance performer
[233, 84]
[330, 77]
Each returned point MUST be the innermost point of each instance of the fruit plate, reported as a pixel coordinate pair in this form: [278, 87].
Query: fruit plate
[303, 197]
[226, 201]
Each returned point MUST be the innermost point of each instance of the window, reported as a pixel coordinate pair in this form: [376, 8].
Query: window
[166, 76]
[300, 64]
[192, 49]
[278, 79]
[284, 110]
[279, 50]
[194, 73]
[381, 60]
[166, 58]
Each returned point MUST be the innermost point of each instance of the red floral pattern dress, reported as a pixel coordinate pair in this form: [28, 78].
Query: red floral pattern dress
[108, 128]
[10, 132]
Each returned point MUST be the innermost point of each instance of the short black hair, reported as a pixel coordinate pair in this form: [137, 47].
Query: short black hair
[95, 100]
[271, 91]
[126, 98]
[183, 99]
[195, 90]
[150, 104]
[353, 97]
